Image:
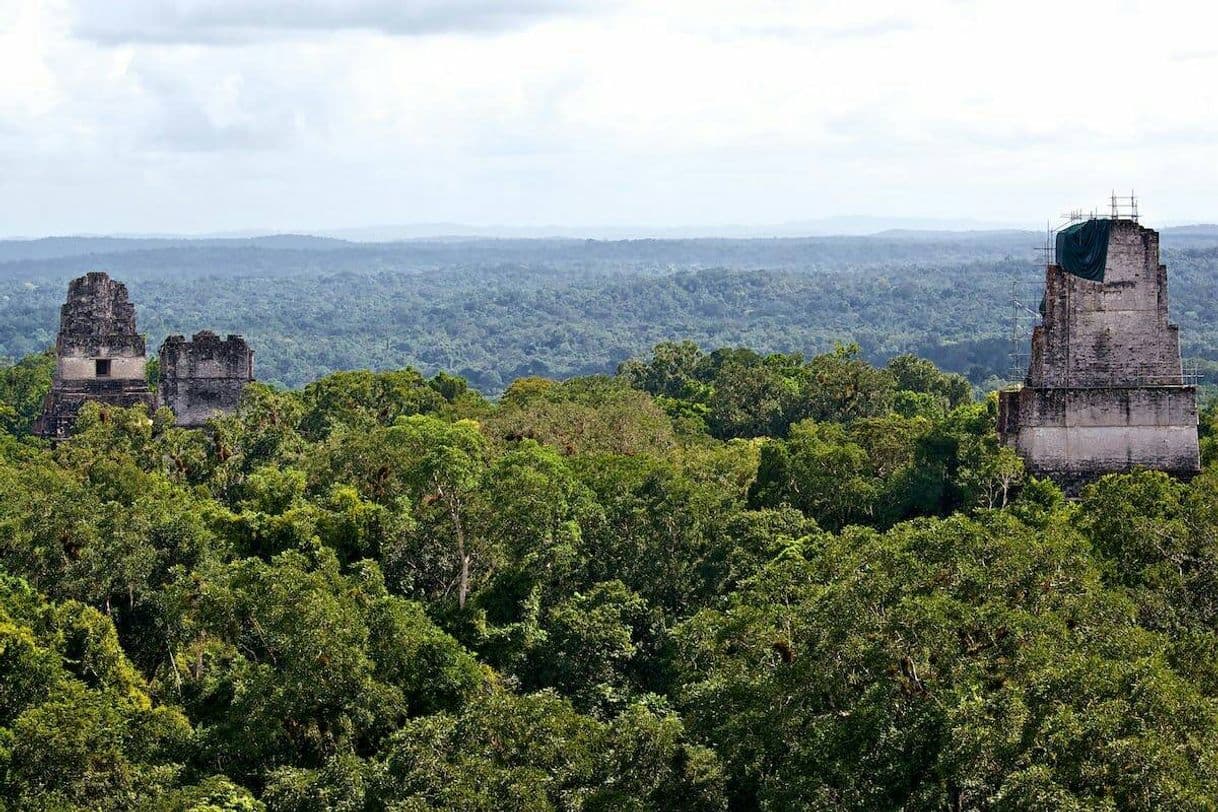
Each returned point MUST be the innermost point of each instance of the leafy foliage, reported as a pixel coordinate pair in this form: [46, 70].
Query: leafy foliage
[714, 580]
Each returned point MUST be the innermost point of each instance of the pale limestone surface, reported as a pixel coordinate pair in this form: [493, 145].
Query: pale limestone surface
[1104, 390]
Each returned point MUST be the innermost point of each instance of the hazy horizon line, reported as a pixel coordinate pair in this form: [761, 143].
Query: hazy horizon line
[836, 226]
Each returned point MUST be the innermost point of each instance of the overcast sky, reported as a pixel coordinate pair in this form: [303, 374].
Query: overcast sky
[205, 116]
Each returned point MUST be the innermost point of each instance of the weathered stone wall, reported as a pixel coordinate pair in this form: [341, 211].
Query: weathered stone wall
[203, 377]
[1082, 430]
[96, 323]
[1104, 390]
[1109, 333]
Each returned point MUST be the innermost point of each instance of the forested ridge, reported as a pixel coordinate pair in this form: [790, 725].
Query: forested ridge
[711, 580]
[493, 311]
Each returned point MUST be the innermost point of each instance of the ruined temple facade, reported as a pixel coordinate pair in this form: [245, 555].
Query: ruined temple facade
[1105, 391]
[203, 377]
[100, 356]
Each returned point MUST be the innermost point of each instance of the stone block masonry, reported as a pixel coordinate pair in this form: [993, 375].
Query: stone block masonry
[203, 377]
[1105, 391]
[99, 355]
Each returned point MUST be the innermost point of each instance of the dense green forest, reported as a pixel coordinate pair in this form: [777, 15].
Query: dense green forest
[492, 311]
[712, 580]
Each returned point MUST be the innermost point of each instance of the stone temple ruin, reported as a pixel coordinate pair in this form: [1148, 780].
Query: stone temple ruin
[99, 354]
[1105, 390]
[101, 357]
[203, 377]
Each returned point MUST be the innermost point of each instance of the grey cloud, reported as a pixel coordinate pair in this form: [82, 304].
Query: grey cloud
[241, 21]
[185, 127]
[260, 115]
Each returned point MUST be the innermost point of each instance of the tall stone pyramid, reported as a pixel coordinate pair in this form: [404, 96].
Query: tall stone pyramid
[1105, 390]
[100, 356]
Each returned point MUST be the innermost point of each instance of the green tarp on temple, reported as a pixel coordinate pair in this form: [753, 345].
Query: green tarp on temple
[1082, 249]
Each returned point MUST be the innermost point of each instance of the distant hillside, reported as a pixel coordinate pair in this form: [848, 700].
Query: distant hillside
[61, 247]
[1199, 230]
[822, 227]
[496, 309]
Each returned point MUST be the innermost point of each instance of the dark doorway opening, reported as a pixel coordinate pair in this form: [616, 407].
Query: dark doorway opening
[103, 367]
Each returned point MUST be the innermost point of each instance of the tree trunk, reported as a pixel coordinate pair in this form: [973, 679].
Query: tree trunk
[463, 584]
[463, 588]
[454, 512]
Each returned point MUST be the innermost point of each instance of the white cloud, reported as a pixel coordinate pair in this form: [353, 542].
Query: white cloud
[147, 116]
[229, 21]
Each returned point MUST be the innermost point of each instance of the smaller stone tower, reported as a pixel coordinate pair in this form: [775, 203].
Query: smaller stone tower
[203, 377]
[100, 355]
